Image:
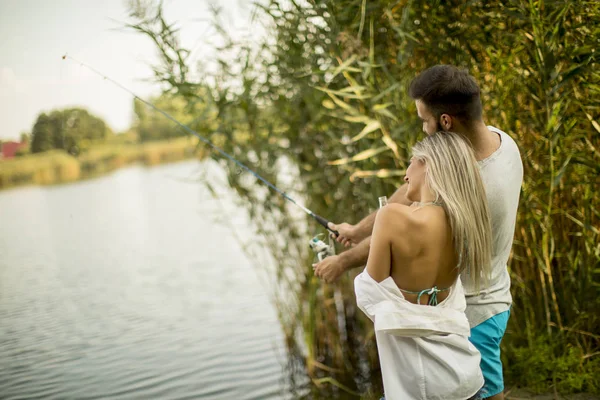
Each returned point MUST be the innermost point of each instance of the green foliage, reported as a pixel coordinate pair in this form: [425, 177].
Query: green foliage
[326, 90]
[152, 125]
[42, 134]
[22, 152]
[67, 130]
[547, 363]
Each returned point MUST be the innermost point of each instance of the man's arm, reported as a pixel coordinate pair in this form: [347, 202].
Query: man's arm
[331, 268]
[356, 256]
[364, 228]
[399, 196]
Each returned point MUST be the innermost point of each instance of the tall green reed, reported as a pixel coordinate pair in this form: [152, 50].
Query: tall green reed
[326, 89]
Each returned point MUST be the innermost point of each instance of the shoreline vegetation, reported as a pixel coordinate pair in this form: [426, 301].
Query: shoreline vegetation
[325, 86]
[58, 166]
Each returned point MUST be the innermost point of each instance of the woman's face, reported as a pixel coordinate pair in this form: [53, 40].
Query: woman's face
[415, 177]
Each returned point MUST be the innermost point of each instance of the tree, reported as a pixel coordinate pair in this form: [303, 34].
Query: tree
[42, 134]
[66, 129]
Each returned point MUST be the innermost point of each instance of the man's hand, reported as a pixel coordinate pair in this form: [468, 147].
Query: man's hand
[330, 269]
[347, 234]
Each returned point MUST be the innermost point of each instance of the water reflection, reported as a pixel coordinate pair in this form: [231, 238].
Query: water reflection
[126, 287]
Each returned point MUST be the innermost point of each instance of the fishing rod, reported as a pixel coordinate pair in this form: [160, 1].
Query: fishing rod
[317, 217]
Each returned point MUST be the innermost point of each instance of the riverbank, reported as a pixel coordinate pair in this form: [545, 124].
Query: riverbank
[57, 166]
[524, 394]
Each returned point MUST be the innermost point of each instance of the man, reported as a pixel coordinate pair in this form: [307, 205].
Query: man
[448, 99]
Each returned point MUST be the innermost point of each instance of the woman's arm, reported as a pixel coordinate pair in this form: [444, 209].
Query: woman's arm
[380, 253]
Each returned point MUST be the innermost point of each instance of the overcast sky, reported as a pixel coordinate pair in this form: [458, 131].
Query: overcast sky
[36, 33]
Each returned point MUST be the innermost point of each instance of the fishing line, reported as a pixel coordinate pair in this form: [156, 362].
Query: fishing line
[317, 217]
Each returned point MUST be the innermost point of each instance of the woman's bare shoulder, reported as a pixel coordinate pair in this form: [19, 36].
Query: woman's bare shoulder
[396, 223]
[399, 213]
[408, 225]
[395, 218]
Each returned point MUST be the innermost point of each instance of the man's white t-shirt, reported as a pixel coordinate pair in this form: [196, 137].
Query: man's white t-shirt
[502, 174]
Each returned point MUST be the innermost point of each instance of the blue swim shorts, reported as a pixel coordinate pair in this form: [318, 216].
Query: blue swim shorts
[486, 337]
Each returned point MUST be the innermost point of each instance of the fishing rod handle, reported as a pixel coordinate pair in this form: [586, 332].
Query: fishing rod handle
[324, 222]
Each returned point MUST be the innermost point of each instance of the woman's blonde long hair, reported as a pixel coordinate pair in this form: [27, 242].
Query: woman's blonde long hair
[453, 175]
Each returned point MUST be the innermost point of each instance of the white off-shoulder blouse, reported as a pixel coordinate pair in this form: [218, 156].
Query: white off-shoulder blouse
[424, 351]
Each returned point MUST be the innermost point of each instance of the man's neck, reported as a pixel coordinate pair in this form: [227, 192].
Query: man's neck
[484, 141]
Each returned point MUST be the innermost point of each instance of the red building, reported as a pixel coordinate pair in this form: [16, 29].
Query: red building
[9, 149]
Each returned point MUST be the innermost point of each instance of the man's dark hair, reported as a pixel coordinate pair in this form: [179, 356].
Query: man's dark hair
[446, 89]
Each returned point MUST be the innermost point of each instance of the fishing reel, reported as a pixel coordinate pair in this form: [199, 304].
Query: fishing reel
[321, 248]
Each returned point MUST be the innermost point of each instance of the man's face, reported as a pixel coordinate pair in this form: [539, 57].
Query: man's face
[430, 124]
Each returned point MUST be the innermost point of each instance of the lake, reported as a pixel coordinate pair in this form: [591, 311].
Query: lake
[131, 286]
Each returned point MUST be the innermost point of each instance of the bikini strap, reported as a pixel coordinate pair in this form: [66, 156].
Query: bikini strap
[432, 292]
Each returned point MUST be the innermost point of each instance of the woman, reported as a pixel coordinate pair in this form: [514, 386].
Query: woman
[411, 287]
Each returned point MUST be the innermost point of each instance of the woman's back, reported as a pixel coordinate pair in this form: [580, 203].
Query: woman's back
[423, 253]
[425, 352]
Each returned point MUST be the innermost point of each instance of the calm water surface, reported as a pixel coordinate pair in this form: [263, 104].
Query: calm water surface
[127, 286]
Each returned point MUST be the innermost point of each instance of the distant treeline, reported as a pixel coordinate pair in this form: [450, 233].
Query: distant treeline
[75, 130]
[70, 144]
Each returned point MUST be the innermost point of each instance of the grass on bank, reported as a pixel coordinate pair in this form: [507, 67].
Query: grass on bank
[57, 166]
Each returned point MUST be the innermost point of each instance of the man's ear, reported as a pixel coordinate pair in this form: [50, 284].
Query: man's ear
[446, 122]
